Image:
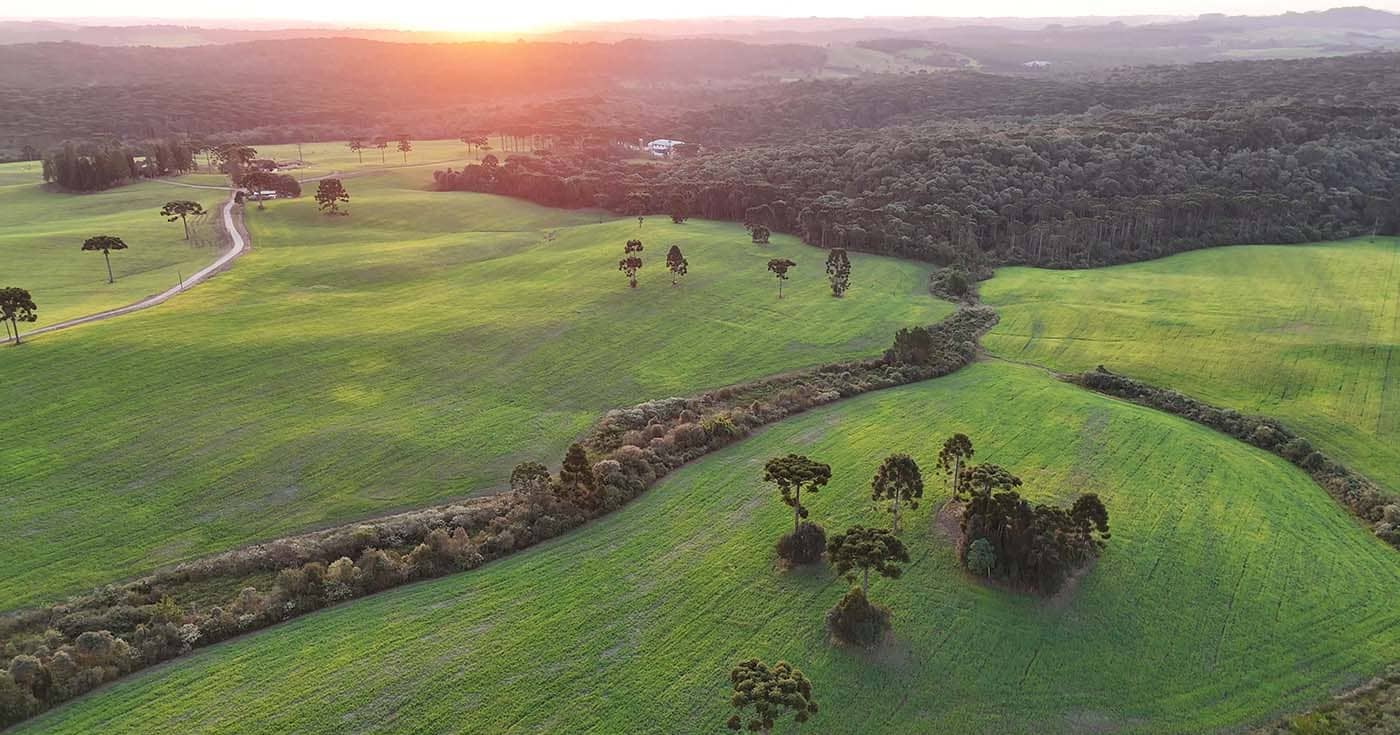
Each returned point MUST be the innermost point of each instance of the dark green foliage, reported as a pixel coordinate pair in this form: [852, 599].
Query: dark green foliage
[857, 621]
[866, 550]
[956, 450]
[233, 158]
[330, 193]
[899, 481]
[950, 283]
[182, 209]
[804, 545]
[1035, 547]
[913, 346]
[760, 234]
[257, 181]
[104, 244]
[576, 480]
[680, 210]
[779, 267]
[1373, 709]
[405, 146]
[984, 478]
[793, 474]
[981, 557]
[676, 263]
[838, 271]
[530, 478]
[357, 146]
[771, 694]
[90, 166]
[631, 261]
[16, 305]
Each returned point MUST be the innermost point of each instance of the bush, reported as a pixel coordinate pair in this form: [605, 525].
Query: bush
[803, 546]
[857, 621]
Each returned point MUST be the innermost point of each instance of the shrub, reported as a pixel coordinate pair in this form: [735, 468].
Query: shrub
[857, 621]
[803, 546]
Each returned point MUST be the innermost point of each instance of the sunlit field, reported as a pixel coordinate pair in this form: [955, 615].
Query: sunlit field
[412, 352]
[1308, 334]
[1232, 589]
[42, 231]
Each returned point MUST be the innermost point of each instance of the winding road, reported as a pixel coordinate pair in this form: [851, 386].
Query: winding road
[240, 246]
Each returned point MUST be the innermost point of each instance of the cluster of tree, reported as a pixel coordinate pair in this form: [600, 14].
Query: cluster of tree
[95, 165]
[1005, 537]
[16, 305]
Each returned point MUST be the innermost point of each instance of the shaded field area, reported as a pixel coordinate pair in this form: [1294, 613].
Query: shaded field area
[412, 352]
[42, 231]
[1233, 588]
[1307, 334]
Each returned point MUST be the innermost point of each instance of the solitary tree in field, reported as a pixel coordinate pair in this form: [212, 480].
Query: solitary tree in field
[677, 263]
[16, 305]
[898, 480]
[105, 243]
[383, 145]
[764, 695]
[838, 271]
[405, 146]
[257, 182]
[864, 550]
[640, 220]
[793, 474]
[956, 450]
[631, 261]
[779, 267]
[329, 195]
[576, 481]
[181, 210]
[358, 146]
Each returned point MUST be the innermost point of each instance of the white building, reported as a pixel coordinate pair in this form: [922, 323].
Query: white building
[664, 148]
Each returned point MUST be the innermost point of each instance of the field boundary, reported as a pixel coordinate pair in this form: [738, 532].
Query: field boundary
[239, 245]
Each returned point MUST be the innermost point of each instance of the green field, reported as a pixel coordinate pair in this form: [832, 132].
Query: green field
[409, 353]
[1307, 334]
[1232, 588]
[41, 232]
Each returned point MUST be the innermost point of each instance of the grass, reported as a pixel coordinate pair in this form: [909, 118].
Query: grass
[41, 232]
[1233, 589]
[409, 353]
[1307, 334]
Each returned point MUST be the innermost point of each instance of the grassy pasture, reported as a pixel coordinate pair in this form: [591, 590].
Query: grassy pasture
[411, 352]
[41, 232]
[1308, 334]
[1232, 588]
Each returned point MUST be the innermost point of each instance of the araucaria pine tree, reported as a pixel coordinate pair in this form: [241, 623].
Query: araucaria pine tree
[956, 450]
[576, 481]
[631, 261]
[838, 271]
[676, 263]
[898, 480]
[106, 244]
[779, 267]
[763, 695]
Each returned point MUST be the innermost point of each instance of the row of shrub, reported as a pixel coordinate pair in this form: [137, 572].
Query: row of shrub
[52, 654]
[1359, 494]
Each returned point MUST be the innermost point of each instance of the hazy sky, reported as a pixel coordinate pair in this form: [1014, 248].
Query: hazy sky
[460, 15]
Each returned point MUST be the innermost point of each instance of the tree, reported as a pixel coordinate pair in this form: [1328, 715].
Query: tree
[16, 305]
[677, 263]
[986, 478]
[576, 481]
[899, 481]
[490, 162]
[181, 209]
[956, 450]
[912, 346]
[631, 261]
[530, 479]
[772, 693]
[257, 182]
[640, 221]
[760, 234]
[779, 267]
[838, 271]
[29, 153]
[864, 550]
[106, 244]
[405, 146]
[382, 144]
[680, 209]
[358, 146]
[329, 195]
[793, 474]
[234, 157]
[981, 558]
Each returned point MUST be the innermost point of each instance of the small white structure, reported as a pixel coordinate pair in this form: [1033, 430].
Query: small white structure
[663, 147]
[1037, 64]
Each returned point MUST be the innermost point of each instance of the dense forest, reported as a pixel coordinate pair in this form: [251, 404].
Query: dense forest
[986, 170]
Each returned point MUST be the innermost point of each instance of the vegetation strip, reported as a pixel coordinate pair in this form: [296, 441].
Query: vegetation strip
[59, 652]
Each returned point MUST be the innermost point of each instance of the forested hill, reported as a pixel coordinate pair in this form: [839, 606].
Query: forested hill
[979, 170]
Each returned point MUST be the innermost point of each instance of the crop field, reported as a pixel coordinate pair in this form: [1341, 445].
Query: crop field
[41, 233]
[1232, 588]
[1307, 334]
[412, 352]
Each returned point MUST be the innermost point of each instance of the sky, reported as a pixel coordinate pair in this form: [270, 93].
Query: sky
[455, 15]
